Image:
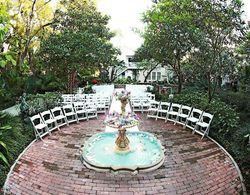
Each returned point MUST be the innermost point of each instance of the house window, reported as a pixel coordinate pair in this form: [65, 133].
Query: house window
[149, 77]
[158, 76]
[153, 76]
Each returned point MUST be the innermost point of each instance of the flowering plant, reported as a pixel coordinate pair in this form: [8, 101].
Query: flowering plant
[123, 95]
[94, 81]
[118, 120]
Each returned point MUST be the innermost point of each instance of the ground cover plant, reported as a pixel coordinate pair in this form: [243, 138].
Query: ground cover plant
[16, 138]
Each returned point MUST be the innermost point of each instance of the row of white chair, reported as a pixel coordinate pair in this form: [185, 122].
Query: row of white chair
[97, 98]
[142, 102]
[195, 119]
[49, 120]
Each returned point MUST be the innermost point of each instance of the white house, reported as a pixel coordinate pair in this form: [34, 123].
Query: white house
[135, 73]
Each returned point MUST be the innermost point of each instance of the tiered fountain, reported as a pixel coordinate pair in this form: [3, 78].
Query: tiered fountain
[123, 151]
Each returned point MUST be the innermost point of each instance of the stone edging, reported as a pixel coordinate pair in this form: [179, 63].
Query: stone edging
[235, 164]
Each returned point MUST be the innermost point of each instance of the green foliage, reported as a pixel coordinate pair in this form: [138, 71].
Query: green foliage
[244, 47]
[245, 77]
[42, 102]
[3, 148]
[15, 140]
[124, 81]
[240, 101]
[80, 43]
[225, 119]
[88, 89]
[192, 36]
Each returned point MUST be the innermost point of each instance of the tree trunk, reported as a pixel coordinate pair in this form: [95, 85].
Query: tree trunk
[71, 82]
[112, 74]
[209, 88]
[179, 83]
[149, 72]
[179, 73]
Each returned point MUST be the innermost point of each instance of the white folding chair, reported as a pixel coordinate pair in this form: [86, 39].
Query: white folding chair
[183, 115]
[153, 110]
[80, 110]
[136, 104]
[58, 115]
[174, 110]
[203, 125]
[145, 104]
[49, 120]
[101, 105]
[70, 113]
[194, 117]
[163, 110]
[91, 110]
[40, 128]
[67, 99]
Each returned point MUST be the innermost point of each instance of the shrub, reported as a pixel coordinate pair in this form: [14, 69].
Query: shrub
[125, 81]
[16, 139]
[41, 102]
[240, 101]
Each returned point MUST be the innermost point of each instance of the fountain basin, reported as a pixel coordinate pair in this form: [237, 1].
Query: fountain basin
[145, 152]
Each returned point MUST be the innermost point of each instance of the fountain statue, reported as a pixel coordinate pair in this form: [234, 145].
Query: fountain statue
[121, 150]
[122, 142]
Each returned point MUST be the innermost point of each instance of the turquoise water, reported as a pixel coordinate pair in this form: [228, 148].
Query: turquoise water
[145, 151]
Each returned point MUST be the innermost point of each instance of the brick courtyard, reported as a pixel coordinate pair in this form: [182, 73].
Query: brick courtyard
[192, 165]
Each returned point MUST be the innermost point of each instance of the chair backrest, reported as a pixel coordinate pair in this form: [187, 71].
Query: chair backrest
[79, 98]
[46, 115]
[185, 110]
[206, 117]
[175, 107]
[68, 108]
[196, 113]
[36, 119]
[155, 104]
[67, 98]
[57, 111]
[164, 105]
[79, 105]
[90, 104]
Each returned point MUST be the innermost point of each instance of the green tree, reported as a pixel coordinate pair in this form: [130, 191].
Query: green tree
[25, 24]
[218, 29]
[244, 56]
[80, 43]
[196, 33]
[29, 19]
[169, 33]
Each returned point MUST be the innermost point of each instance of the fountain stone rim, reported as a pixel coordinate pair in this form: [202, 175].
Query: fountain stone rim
[135, 168]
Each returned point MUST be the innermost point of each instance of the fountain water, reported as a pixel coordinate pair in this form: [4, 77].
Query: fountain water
[127, 151]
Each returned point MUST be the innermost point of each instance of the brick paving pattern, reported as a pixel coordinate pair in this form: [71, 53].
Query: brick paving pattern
[192, 165]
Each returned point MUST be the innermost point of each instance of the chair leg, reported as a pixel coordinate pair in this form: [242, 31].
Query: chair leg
[47, 129]
[186, 123]
[176, 119]
[166, 120]
[194, 129]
